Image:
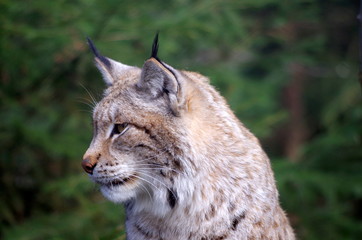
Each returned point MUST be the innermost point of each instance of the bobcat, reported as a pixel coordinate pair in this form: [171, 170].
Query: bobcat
[167, 145]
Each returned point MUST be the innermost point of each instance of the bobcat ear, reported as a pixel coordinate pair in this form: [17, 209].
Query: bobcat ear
[160, 80]
[110, 69]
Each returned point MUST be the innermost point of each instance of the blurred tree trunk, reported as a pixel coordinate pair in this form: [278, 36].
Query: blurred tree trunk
[296, 130]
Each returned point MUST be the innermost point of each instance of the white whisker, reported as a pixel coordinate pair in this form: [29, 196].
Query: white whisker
[147, 181]
[152, 166]
[158, 181]
[89, 93]
[162, 168]
[86, 101]
[143, 187]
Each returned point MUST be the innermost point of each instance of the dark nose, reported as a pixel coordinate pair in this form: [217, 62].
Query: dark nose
[88, 166]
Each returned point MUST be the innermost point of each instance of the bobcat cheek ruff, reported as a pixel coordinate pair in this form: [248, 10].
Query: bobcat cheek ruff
[167, 145]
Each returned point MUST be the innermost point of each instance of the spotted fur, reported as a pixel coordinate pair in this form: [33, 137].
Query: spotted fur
[185, 167]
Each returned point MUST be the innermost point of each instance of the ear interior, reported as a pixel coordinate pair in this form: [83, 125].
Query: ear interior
[111, 70]
[158, 80]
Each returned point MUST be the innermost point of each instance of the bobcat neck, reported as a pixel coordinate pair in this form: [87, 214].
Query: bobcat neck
[229, 184]
[212, 198]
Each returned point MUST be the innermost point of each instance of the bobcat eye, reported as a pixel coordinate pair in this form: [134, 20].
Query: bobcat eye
[119, 128]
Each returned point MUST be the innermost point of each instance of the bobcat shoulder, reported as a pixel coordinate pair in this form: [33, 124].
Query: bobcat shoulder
[168, 146]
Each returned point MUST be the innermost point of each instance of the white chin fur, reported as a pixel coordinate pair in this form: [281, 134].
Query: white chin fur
[118, 194]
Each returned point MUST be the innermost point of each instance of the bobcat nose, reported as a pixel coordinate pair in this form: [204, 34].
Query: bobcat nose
[88, 165]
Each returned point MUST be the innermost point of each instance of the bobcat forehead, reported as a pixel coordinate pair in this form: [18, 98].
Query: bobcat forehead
[186, 168]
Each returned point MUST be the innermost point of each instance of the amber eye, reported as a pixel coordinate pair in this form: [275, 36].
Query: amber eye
[119, 128]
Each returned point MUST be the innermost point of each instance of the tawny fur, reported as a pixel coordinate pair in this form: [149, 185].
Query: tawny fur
[188, 168]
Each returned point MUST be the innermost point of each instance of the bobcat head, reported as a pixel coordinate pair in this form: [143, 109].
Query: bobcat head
[167, 145]
[140, 136]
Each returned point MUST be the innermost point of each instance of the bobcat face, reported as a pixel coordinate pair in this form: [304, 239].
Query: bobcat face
[135, 127]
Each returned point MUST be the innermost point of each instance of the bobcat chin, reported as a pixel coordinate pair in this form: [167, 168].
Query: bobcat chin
[167, 145]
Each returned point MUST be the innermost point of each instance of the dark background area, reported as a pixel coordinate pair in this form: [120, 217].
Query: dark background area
[287, 68]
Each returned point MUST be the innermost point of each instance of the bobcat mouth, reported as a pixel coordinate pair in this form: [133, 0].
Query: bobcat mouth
[120, 181]
[119, 189]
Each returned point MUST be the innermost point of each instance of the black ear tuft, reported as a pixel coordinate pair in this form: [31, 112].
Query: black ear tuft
[95, 51]
[155, 48]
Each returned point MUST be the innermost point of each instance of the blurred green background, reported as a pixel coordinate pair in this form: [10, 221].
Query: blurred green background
[287, 68]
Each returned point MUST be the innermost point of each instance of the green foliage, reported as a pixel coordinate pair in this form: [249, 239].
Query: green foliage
[262, 55]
